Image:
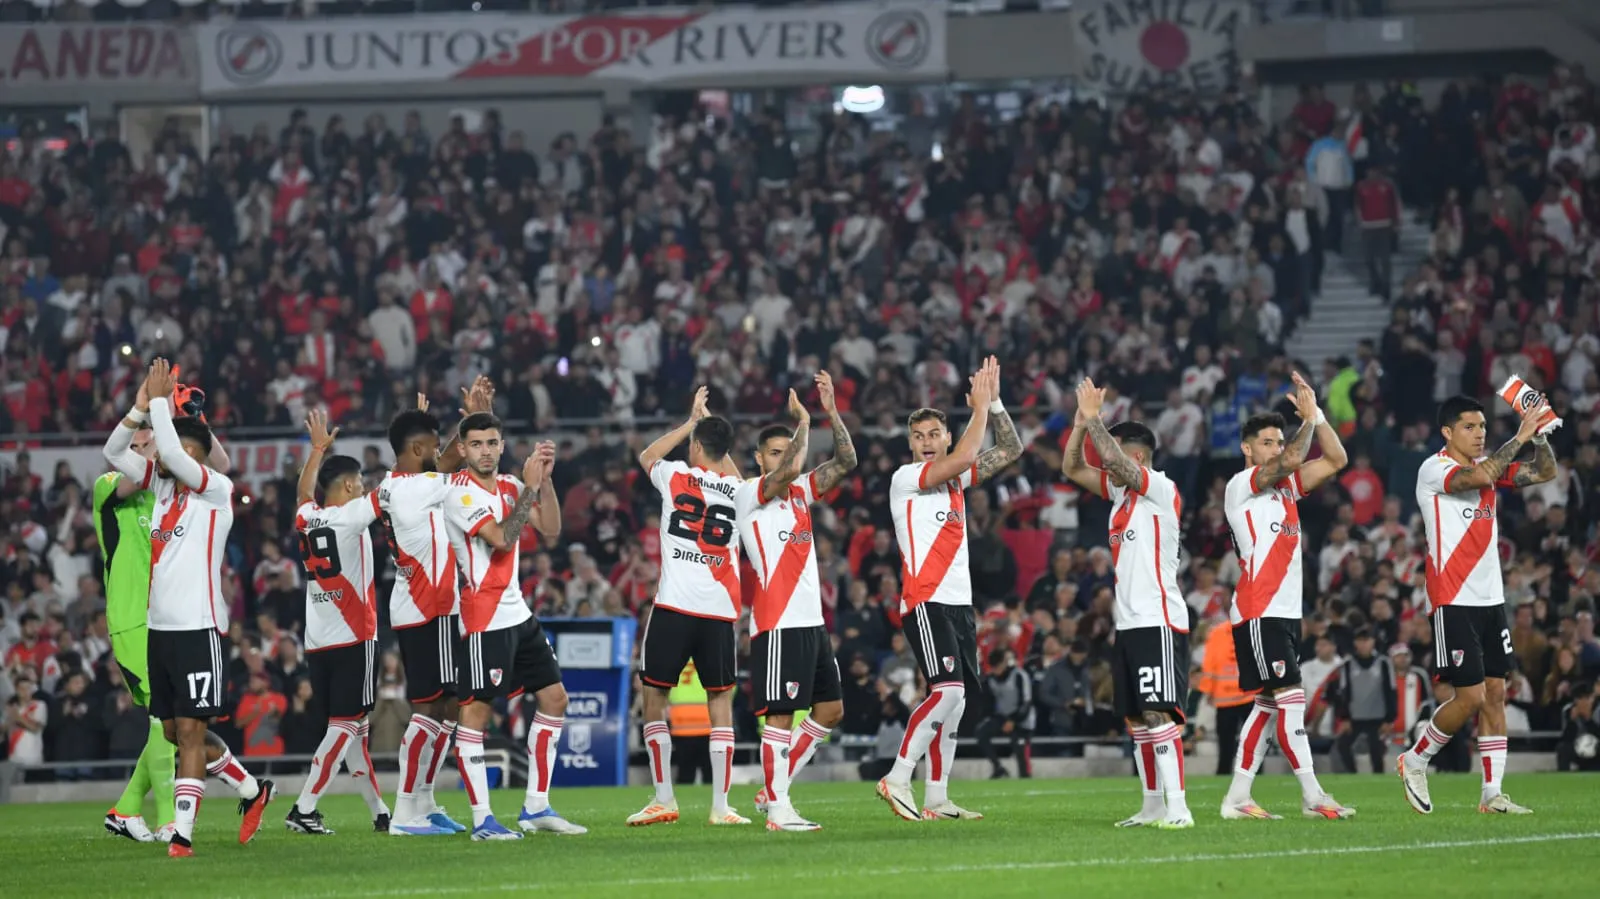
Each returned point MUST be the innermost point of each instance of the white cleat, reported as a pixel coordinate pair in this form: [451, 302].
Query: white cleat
[899, 798]
[785, 818]
[166, 832]
[1325, 806]
[1178, 820]
[728, 817]
[547, 821]
[130, 826]
[1246, 811]
[1415, 778]
[655, 813]
[949, 811]
[1142, 819]
[1502, 805]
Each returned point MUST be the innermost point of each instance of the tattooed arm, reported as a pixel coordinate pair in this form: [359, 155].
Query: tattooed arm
[830, 474]
[1288, 461]
[1488, 473]
[789, 464]
[1123, 471]
[1542, 469]
[1073, 466]
[1006, 450]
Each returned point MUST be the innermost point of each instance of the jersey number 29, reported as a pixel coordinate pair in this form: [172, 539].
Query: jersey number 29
[319, 551]
[692, 519]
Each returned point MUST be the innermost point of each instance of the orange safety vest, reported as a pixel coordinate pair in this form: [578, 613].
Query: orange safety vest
[688, 715]
[1219, 670]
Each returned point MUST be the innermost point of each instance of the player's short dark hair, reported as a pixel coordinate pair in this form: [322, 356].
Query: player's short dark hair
[1255, 424]
[479, 421]
[408, 426]
[191, 428]
[926, 414]
[1135, 433]
[336, 467]
[1451, 410]
[771, 431]
[714, 434]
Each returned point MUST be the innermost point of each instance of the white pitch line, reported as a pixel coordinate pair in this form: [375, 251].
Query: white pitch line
[985, 868]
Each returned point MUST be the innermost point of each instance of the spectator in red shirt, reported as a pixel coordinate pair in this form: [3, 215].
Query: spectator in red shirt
[1365, 489]
[1378, 212]
[259, 714]
[34, 649]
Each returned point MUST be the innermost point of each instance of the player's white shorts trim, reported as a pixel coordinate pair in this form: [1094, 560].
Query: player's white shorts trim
[447, 661]
[216, 668]
[930, 652]
[1257, 648]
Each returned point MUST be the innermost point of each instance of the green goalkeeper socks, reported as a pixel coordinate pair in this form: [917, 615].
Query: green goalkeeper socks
[154, 771]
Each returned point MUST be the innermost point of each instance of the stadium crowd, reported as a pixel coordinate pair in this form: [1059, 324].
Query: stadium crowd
[1167, 247]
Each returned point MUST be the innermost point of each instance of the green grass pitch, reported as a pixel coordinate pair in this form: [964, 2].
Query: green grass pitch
[1040, 838]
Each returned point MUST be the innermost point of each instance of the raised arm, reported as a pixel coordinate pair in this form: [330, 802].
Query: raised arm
[1488, 473]
[546, 504]
[1007, 443]
[119, 447]
[793, 460]
[669, 441]
[1295, 448]
[480, 398]
[830, 474]
[169, 447]
[1073, 466]
[1318, 471]
[1543, 467]
[965, 453]
[504, 534]
[321, 442]
[1123, 471]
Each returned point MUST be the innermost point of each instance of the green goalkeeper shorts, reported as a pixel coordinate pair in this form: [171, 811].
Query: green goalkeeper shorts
[131, 649]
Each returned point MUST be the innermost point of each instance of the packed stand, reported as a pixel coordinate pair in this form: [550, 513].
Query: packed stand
[1166, 247]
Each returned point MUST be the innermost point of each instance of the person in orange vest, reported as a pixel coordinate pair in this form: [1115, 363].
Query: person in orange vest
[689, 720]
[1219, 681]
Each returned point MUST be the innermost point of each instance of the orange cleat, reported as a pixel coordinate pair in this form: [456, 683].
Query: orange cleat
[252, 809]
[179, 848]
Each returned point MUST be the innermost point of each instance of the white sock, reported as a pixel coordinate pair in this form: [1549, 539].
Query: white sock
[721, 768]
[228, 770]
[658, 743]
[775, 763]
[1293, 743]
[1144, 761]
[942, 757]
[359, 760]
[1252, 748]
[543, 738]
[808, 737]
[1432, 740]
[923, 728]
[1167, 742]
[469, 758]
[330, 753]
[416, 751]
[1492, 750]
[441, 751]
[187, 793]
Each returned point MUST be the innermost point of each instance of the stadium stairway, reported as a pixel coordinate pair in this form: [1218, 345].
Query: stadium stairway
[1346, 313]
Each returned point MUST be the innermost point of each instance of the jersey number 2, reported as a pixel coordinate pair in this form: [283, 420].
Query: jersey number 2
[319, 551]
[715, 523]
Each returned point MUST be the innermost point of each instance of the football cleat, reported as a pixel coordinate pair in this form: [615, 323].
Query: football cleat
[762, 800]
[418, 827]
[309, 823]
[549, 822]
[1326, 806]
[130, 826]
[949, 811]
[655, 813]
[1415, 780]
[1502, 805]
[251, 810]
[785, 818]
[441, 819]
[899, 798]
[1180, 820]
[179, 848]
[491, 829]
[1142, 819]
[380, 824]
[166, 832]
[1246, 810]
[727, 816]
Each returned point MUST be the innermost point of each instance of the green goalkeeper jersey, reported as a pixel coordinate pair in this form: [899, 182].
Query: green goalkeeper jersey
[123, 526]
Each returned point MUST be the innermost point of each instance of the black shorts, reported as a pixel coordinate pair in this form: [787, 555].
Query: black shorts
[672, 639]
[793, 669]
[1268, 650]
[1471, 643]
[1150, 671]
[344, 679]
[945, 641]
[507, 662]
[429, 652]
[186, 674]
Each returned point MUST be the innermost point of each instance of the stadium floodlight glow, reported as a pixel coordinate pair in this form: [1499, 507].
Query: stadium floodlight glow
[862, 99]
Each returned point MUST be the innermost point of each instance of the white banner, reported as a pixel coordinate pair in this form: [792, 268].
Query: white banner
[254, 461]
[865, 41]
[1134, 46]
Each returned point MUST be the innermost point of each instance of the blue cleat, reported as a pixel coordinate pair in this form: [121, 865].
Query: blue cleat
[420, 827]
[438, 818]
[491, 829]
[549, 821]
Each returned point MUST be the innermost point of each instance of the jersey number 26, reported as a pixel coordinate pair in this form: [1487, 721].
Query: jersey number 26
[692, 519]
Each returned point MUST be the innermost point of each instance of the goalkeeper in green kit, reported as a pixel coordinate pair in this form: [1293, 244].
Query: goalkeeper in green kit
[122, 512]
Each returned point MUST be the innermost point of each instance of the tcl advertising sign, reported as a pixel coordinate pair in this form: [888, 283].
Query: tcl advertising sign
[71, 55]
[658, 45]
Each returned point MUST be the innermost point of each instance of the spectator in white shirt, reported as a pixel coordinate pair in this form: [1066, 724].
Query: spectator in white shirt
[1201, 378]
[1181, 430]
[639, 342]
[620, 382]
[1333, 554]
[769, 310]
[395, 332]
